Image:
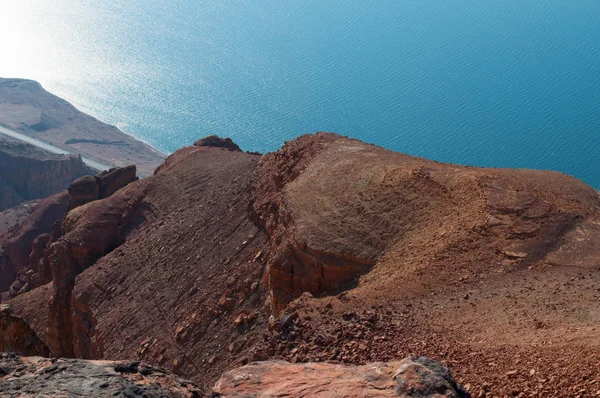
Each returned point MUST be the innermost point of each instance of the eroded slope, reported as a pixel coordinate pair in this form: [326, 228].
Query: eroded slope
[401, 256]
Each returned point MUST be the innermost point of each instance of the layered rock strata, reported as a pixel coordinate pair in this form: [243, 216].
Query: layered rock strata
[24, 263]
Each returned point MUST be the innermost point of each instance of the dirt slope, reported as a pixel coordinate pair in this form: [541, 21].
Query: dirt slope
[491, 271]
[174, 259]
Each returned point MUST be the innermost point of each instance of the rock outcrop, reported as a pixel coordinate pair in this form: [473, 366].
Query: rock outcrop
[411, 377]
[41, 377]
[218, 142]
[17, 337]
[17, 244]
[89, 233]
[27, 173]
[82, 191]
[101, 186]
[25, 106]
[24, 263]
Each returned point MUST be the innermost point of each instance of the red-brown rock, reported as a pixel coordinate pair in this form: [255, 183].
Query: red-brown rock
[101, 186]
[19, 241]
[82, 191]
[401, 256]
[218, 142]
[16, 336]
[416, 377]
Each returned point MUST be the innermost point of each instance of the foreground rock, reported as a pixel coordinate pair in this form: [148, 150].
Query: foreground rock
[36, 377]
[25, 106]
[416, 377]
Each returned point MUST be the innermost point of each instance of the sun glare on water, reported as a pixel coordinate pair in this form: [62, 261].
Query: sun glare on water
[22, 48]
[30, 33]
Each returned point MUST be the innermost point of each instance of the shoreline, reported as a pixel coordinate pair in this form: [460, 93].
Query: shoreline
[28, 109]
[90, 113]
[93, 115]
[45, 146]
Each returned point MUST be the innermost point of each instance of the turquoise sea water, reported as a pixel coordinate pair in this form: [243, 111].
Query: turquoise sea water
[504, 83]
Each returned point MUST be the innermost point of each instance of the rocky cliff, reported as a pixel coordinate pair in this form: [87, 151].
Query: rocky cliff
[27, 173]
[18, 242]
[331, 250]
[23, 261]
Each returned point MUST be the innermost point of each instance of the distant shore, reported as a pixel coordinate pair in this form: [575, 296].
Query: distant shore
[50, 148]
[28, 110]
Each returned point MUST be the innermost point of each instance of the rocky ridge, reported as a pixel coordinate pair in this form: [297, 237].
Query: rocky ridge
[23, 261]
[332, 250]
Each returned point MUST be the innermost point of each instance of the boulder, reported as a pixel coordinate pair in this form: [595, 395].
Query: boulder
[411, 377]
[112, 180]
[82, 191]
[218, 142]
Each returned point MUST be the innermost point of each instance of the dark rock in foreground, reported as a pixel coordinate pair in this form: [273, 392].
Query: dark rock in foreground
[36, 376]
[411, 377]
